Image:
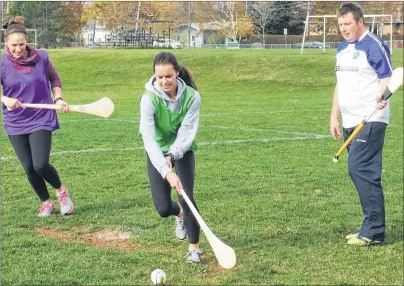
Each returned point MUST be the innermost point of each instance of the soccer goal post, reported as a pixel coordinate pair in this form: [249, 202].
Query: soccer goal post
[32, 37]
[324, 17]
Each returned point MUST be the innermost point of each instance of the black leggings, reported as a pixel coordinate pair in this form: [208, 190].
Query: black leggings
[33, 151]
[161, 193]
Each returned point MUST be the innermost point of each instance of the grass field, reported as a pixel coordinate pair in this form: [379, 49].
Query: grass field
[265, 181]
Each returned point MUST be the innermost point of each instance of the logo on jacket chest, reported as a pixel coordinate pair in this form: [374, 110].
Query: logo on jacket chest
[356, 55]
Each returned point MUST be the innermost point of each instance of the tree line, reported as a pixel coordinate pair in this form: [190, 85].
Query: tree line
[64, 21]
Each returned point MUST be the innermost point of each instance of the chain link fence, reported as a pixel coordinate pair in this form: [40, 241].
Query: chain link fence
[315, 46]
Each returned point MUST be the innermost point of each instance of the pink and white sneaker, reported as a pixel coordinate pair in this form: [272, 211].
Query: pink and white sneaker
[66, 204]
[46, 209]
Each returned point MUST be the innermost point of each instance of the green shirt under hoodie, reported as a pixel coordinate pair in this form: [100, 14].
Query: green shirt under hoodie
[167, 122]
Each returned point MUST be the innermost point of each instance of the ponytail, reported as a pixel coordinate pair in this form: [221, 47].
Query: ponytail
[185, 75]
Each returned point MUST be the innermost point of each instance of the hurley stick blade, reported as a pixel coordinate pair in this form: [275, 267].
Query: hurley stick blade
[225, 255]
[396, 80]
[103, 107]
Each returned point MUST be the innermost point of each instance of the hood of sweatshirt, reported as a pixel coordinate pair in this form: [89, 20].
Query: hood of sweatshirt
[154, 87]
[174, 105]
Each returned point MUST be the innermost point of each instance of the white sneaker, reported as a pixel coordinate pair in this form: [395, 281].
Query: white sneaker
[66, 204]
[180, 230]
[194, 255]
[46, 209]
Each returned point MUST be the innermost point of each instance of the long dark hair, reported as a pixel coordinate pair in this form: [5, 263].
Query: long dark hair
[168, 58]
[14, 25]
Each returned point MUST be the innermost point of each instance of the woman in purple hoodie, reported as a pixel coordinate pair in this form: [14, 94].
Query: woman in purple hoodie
[27, 76]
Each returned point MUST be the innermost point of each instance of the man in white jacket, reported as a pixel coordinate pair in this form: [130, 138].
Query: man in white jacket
[363, 70]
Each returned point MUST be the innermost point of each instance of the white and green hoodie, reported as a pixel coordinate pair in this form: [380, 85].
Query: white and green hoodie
[168, 125]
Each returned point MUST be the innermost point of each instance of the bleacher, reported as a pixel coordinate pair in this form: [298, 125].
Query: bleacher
[140, 38]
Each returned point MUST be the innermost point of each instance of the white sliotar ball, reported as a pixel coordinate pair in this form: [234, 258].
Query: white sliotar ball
[158, 277]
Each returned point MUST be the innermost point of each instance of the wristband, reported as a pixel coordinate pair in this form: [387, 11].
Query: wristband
[57, 99]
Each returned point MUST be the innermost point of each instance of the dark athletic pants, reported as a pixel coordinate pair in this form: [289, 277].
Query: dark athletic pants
[33, 151]
[161, 193]
[365, 169]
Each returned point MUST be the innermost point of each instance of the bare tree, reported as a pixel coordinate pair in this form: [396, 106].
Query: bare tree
[228, 16]
[188, 9]
[226, 19]
[262, 16]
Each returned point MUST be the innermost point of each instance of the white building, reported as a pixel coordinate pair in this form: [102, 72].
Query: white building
[207, 34]
[94, 33]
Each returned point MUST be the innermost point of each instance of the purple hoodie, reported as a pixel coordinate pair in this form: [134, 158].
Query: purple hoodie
[28, 85]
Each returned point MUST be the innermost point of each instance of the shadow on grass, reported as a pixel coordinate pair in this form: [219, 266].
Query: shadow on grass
[113, 205]
[123, 242]
[394, 232]
[102, 238]
[306, 237]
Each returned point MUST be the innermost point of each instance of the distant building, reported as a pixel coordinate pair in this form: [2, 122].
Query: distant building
[380, 28]
[205, 34]
[398, 29]
[94, 33]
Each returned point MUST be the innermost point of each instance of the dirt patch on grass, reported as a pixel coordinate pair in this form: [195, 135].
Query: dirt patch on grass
[102, 238]
[214, 270]
[59, 235]
[115, 239]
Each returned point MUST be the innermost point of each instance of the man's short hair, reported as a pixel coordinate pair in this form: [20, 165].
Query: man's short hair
[352, 7]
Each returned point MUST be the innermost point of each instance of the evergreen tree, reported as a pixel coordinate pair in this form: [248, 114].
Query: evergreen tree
[289, 15]
[43, 16]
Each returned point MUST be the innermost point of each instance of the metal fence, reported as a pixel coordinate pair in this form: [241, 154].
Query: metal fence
[328, 45]
[255, 46]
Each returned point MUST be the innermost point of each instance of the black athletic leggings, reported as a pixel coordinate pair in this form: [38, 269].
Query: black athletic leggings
[161, 193]
[33, 151]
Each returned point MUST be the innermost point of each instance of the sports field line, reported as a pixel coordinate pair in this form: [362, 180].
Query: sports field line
[202, 143]
[98, 119]
[218, 127]
[262, 130]
[213, 126]
[202, 115]
[204, 126]
[241, 112]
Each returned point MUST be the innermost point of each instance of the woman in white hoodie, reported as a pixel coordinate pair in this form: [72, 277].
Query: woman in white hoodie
[169, 119]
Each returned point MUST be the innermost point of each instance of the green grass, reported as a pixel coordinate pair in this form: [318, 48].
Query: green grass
[257, 194]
